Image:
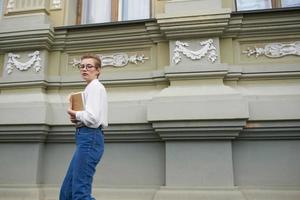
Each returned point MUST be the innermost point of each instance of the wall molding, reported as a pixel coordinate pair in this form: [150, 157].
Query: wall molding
[164, 76]
[260, 130]
[228, 129]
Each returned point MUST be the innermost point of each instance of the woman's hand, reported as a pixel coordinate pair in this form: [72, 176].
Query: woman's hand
[72, 114]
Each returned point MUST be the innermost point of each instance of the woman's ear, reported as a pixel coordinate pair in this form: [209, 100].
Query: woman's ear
[99, 71]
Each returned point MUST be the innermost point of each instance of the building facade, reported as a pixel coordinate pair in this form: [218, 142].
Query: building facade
[204, 97]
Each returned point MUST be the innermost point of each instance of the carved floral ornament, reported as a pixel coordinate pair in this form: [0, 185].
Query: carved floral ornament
[56, 4]
[11, 4]
[207, 49]
[34, 62]
[275, 50]
[116, 60]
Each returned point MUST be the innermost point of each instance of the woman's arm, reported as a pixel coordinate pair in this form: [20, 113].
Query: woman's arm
[94, 105]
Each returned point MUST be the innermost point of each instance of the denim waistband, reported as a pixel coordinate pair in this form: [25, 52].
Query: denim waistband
[80, 127]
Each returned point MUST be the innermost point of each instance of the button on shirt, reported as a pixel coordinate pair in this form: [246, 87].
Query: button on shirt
[95, 101]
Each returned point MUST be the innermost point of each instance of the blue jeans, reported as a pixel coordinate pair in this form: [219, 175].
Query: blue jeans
[77, 184]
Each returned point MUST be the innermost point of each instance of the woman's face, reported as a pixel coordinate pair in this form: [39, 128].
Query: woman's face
[88, 70]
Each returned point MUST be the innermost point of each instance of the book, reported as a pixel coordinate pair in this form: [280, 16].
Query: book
[76, 101]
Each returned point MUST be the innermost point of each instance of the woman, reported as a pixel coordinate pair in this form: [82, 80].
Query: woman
[77, 184]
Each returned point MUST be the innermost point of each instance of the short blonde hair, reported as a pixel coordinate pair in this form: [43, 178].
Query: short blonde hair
[93, 56]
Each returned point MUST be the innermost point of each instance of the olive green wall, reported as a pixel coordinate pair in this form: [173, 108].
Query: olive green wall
[218, 124]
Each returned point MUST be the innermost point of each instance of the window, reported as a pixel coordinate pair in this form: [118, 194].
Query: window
[265, 4]
[100, 11]
[1, 8]
[290, 3]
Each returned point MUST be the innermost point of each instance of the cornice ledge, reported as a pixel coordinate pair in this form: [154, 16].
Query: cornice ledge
[196, 72]
[199, 129]
[61, 134]
[270, 75]
[113, 133]
[200, 24]
[23, 133]
[259, 24]
[280, 129]
[263, 71]
[27, 40]
[26, 84]
[142, 78]
[130, 133]
[107, 35]
[151, 78]
[60, 38]
[154, 31]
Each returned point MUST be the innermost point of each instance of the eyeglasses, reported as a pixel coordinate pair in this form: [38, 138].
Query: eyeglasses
[86, 66]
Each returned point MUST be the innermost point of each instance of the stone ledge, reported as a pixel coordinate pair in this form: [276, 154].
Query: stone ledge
[169, 73]
[23, 133]
[154, 193]
[280, 129]
[199, 24]
[130, 133]
[179, 130]
[199, 130]
[26, 40]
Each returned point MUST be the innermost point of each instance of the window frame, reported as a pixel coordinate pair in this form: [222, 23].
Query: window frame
[276, 4]
[116, 11]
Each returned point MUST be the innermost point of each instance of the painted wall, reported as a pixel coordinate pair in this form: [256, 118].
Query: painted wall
[203, 108]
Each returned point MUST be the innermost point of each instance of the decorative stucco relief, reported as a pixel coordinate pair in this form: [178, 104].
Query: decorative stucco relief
[11, 5]
[56, 4]
[116, 60]
[33, 62]
[275, 50]
[208, 48]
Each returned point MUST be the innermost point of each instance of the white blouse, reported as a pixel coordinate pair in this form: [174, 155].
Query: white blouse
[95, 101]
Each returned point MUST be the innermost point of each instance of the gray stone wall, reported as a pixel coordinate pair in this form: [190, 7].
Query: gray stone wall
[195, 118]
